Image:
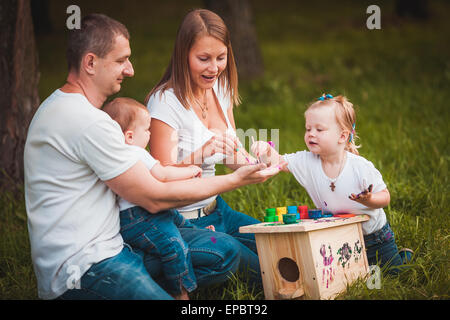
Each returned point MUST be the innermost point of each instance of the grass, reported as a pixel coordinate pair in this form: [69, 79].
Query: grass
[398, 78]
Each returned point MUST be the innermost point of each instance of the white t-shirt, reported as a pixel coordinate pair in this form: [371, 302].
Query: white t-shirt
[73, 217]
[356, 175]
[191, 132]
[149, 162]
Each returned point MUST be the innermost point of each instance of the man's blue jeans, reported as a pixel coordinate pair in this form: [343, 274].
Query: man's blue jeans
[129, 275]
[122, 277]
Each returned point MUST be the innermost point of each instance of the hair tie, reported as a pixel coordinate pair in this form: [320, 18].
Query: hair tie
[325, 97]
[352, 133]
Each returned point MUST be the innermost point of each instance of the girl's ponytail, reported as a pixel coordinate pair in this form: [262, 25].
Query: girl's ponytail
[346, 117]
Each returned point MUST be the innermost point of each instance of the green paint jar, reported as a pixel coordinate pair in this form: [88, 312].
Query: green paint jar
[271, 219]
[289, 218]
[271, 212]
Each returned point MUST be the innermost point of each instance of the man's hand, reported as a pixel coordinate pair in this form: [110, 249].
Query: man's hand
[252, 174]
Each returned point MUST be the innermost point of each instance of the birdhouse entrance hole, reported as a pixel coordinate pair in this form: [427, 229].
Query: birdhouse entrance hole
[288, 269]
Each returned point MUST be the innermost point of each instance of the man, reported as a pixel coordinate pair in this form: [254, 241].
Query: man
[76, 161]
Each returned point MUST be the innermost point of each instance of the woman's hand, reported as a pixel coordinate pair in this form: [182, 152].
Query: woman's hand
[220, 143]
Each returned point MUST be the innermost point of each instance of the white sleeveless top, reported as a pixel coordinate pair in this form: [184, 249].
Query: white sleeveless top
[191, 132]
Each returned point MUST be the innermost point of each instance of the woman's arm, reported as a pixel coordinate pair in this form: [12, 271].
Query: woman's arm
[164, 146]
[241, 157]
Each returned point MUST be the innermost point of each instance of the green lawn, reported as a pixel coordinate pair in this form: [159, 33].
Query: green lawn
[398, 77]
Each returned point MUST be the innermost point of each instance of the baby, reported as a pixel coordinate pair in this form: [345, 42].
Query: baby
[155, 233]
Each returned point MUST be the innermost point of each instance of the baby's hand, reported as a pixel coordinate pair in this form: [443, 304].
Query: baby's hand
[210, 227]
[196, 171]
[363, 196]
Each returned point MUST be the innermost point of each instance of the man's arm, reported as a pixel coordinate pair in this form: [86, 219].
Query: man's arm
[138, 186]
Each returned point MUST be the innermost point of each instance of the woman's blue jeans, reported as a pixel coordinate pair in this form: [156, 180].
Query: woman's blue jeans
[159, 234]
[226, 220]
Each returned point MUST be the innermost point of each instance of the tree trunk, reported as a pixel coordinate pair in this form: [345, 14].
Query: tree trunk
[237, 15]
[416, 9]
[19, 77]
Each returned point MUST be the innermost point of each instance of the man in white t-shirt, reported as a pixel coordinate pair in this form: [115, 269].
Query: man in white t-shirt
[76, 161]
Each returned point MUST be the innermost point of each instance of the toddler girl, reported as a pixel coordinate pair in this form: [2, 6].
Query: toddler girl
[337, 179]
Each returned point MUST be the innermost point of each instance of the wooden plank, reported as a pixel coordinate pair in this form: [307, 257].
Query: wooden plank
[303, 225]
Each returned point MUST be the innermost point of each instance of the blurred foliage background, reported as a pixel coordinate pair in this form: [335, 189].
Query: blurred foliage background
[397, 77]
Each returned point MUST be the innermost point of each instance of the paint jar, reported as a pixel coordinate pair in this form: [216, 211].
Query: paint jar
[271, 219]
[303, 212]
[293, 210]
[289, 218]
[327, 214]
[280, 212]
[315, 213]
[270, 212]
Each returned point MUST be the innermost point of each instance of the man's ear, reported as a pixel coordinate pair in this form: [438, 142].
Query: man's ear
[89, 62]
[128, 136]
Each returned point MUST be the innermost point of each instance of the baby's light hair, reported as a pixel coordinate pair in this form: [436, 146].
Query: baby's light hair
[345, 117]
[124, 111]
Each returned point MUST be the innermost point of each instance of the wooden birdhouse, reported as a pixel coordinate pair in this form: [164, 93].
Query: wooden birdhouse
[311, 259]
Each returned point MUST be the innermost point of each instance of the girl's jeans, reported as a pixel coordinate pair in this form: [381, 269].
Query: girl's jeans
[381, 248]
[158, 234]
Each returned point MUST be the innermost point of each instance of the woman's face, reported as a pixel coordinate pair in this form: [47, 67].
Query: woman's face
[207, 60]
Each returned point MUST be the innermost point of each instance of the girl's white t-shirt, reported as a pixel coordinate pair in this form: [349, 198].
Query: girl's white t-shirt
[356, 176]
[191, 132]
[73, 218]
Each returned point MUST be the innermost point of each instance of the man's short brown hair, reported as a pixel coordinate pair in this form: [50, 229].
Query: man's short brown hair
[97, 35]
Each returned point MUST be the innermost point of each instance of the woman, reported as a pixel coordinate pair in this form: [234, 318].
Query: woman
[193, 123]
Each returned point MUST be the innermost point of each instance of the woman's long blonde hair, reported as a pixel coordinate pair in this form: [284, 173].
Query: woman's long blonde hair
[345, 117]
[197, 23]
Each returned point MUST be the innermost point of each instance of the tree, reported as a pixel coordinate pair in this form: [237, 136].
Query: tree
[238, 17]
[19, 77]
[417, 9]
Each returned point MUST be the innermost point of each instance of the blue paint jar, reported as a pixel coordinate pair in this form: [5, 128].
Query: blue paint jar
[293, 210]
[315, 213]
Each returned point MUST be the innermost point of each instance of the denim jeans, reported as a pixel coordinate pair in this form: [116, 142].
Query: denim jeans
[226, 220]
[122, 277]
[215, 257]
[158, 234]
[381, 248]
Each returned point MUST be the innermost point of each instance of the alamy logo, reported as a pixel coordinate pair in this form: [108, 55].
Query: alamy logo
[374, 20]
[374, 279]
[73, 282]
[74, 20]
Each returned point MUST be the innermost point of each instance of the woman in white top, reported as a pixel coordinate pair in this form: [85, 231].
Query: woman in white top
[193, 123]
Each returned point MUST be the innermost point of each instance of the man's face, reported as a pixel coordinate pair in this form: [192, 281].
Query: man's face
[114, 67]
